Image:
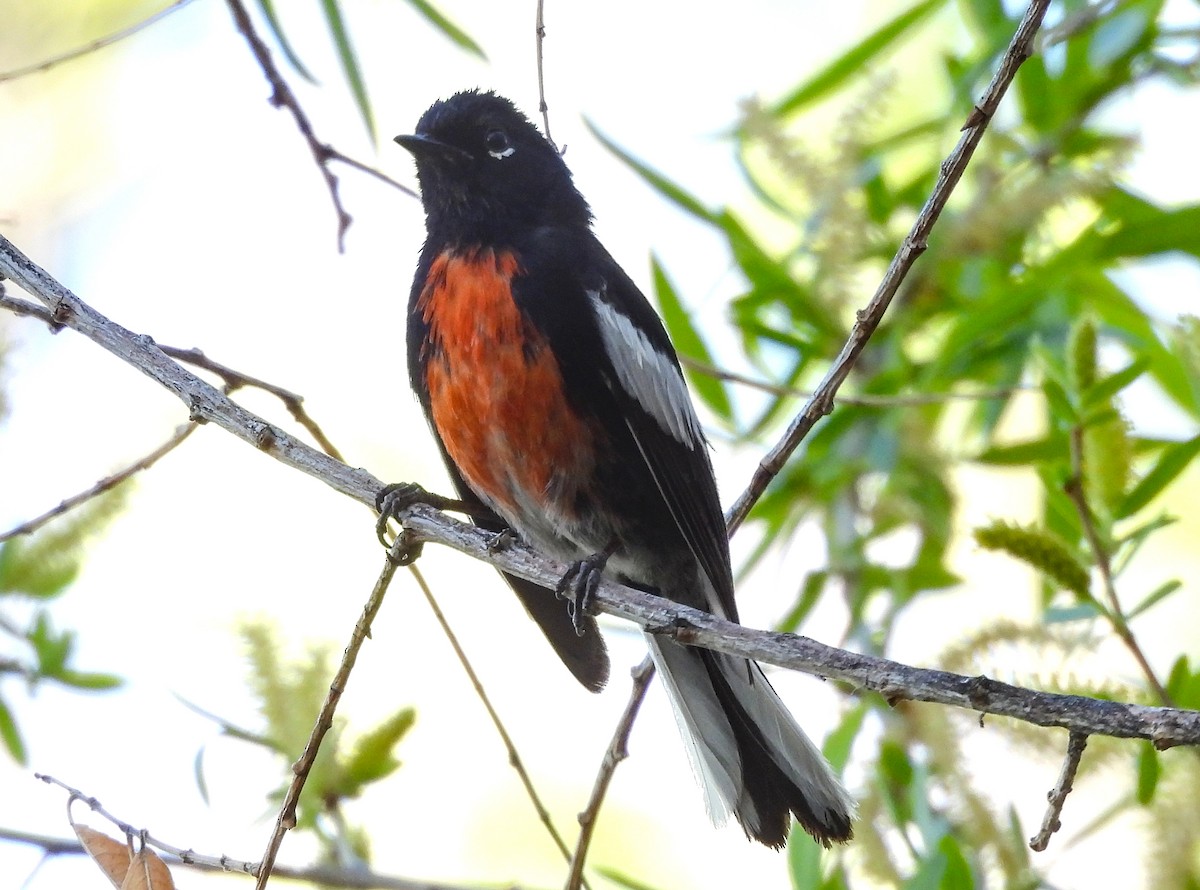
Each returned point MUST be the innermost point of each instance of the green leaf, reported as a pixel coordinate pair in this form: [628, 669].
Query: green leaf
[1148, 771]
[674, 193]
[11, 736]
[456, 34]
[851, 63]
[89, 680]
[958, 874]
[689, 343]
[1059, 402]
[1103, 391]
[1171, 463]
[810, 593]
[53, 650]
[1051, 448]
[1159, 231]
[804, 860]
[349, 62]
[372, 758]
[1179, 676]
[839, 742]
[1159, 594]
[268, 11]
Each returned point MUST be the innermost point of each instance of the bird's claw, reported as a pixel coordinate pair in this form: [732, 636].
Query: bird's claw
[580, 583]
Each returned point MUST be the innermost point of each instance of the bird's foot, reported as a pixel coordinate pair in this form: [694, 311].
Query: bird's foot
[580, 583]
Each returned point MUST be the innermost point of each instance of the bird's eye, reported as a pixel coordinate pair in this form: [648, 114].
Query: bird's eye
[498, 145]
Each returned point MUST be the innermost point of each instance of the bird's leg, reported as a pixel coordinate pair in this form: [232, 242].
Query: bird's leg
[581, 581]
[393, 499]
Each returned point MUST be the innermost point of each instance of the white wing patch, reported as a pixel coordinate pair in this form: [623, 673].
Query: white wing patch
[647, 375]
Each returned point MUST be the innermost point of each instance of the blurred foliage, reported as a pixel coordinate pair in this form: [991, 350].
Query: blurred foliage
[290, 694]
[1016, 300]
[36, 570]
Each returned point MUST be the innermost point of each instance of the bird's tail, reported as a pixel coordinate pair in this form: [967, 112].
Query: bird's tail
[750, 756]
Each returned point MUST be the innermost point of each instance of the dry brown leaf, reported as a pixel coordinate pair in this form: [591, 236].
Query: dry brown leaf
[112, 856]
[147, 872]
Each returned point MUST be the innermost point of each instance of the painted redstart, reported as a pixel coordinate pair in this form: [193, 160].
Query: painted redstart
[559, 407]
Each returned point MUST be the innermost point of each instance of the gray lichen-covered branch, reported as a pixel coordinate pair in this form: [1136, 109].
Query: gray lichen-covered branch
[1165, 727]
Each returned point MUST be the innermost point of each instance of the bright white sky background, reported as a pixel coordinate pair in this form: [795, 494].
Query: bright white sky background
[155, 180]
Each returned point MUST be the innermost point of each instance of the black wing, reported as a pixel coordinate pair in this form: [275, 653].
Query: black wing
[618, 363]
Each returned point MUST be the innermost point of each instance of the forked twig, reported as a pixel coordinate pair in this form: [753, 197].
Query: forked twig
[235, 380]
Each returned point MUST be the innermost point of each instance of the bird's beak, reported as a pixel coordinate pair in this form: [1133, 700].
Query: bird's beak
[424, 146]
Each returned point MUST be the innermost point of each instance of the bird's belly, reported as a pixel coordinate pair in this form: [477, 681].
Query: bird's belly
[497, 401]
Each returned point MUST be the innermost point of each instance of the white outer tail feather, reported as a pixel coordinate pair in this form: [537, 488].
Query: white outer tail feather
[712, 748]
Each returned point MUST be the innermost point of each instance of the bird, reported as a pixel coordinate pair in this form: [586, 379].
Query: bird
[562, 415]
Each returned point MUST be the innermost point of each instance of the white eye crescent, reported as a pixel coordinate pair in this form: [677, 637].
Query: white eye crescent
[498, 145]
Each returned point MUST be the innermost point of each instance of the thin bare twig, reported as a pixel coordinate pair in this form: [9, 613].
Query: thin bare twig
[92, 46]
[1120, 625]
[617, 751]
[283, 97]
[540, 36]
[514, 758]
[1058, 794]
[235, 380]
[864, 400]
[17, 306]
[286, 820]
[106, 484]
[334, 155]
[914, 244]
[326, 876]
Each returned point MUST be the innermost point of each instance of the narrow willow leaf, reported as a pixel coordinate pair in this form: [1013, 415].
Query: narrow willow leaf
[1155, 597]
[349, 62]
[850, 63]
[11, 736]
[1112, 384]
[456, 34]
[1148, 770]
[268, 11]
[1052, 447]
[665, 187]
[1171, 463]
[688, 341]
